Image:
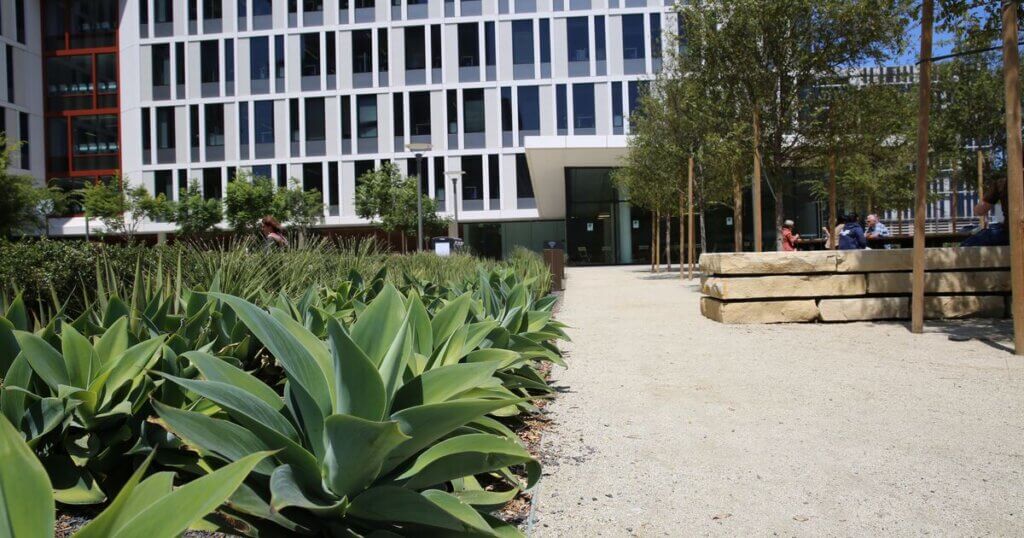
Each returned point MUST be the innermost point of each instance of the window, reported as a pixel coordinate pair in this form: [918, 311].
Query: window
[259, 58]
[19, 25]
[633, 87]
[229, 61]
[562, 106]
[293, 6]
[263, 114]
[398, 114]
[279, 65]
[193, 11]
[436, 54]
[332, 59]
[179, 61]
[529, 108]
[439, 179]
[309, 6]
[617, 107]
[419, 113]
[545, 41]
[147, 140]
[633, 37]
[163, 183]
[262, 8]
[366, 116]
[415, 51]
[346, 118]
[209, 66]
[577, 32]
[334, 199]
[382, 49]
[494, 179]
[524, 183]
[365, 4]
[316, 129]
[489, 46]
[313, 177]
[165, 127]
[94, 141]
[362, 51]
[211, 183]
[655, 35]
[193, 116]
[473, 110]
[243, 5]
[469, 45]
[212, 9]
[506, 109]
[144, 15]
[282, 175]
[23, 131]
[10, 73]
[163, 11]
[453, 112]
[293, 119]
[243, 128]
[215, 124]
[473, 182]
[522, 42]
[599, 38]
[583, 107]
[310, 52]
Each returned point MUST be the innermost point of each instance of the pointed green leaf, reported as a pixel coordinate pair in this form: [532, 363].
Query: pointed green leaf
[440, 384]
[356, 450]
[114, 341]
[286, 492]
[451, 317]
[379, 324]
[47, 362]
[225, 439]
[467, 455]
[216, 369]
[358, 387]
[26, 499]
[390, 504]
[78, 356]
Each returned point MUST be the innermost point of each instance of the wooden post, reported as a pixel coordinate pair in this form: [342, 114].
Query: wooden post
[692, 249]
[737, 214]
[981, 184]
[921, 189]
[833, 210]
[657, 241]
[654, 235]
[755, 192]
[1014, 172]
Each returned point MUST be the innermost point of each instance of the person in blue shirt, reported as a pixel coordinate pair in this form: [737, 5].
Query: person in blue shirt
[876, 230]
[852, 235]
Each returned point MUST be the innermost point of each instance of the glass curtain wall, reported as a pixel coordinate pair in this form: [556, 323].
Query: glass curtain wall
[601, 226]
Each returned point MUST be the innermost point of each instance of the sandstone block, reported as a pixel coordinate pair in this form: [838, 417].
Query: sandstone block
[942, 282]
[936, 259]
[964, 306]
[864, 308]
[798, 311]
[781, 286]
[768, 263]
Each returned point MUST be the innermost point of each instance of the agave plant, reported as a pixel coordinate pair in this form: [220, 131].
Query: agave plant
[150, 507]
[80, 404]
[371, 434]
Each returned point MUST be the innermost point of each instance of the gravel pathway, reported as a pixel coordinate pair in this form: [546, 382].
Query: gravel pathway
[672, 425]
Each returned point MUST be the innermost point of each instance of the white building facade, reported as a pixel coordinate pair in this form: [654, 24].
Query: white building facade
[166, 93]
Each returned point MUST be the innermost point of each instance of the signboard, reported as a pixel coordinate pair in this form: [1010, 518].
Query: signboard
[728, 221]
[590, 226]
[636, 224]
[442, 249]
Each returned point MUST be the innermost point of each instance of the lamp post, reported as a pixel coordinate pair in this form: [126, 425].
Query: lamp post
[419, 148]
[456, 175]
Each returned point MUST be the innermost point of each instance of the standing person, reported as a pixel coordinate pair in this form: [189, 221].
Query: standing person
[996, 234]
[789, 238]
[273, 234]
[852, 236]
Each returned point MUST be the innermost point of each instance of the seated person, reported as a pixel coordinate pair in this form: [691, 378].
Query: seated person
[852, 235]
[789, 238]
[997, 233]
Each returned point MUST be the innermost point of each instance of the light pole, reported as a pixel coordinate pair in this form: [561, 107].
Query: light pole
[456, 175]
[419, 148]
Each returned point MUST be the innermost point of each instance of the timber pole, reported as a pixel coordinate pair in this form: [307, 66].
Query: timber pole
[921, 188]
[755, 192]
[691, 250]
[1014, 173]
[682, 232]
[833, 210]
[954, 199]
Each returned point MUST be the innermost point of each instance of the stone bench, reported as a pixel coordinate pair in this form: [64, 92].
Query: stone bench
[786, 287]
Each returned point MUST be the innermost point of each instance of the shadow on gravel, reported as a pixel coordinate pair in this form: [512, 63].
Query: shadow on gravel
[995, 333]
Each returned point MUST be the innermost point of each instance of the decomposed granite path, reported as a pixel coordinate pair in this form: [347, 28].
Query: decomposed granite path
[672, 425]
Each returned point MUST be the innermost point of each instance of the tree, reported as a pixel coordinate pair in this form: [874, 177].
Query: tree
[193, 214]
[767, 55]
[22, 203]
[302, 208]
[122, 210]
[387, 198]
[248, 200]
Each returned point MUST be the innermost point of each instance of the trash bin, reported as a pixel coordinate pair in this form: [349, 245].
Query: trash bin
[554, 257]
[445, 246]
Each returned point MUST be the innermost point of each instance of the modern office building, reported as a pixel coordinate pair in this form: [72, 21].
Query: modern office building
[529, 98]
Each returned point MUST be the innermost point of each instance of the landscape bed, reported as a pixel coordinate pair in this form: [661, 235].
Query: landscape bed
[380, 404]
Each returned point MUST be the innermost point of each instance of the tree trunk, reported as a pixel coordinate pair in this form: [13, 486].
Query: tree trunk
[654, 239]
[755, 193]
[780, 217]
[981, 184]
[682, 238]
[690, 254]
[668, 243]
[833, 209]
[656, 252]
[737, 214]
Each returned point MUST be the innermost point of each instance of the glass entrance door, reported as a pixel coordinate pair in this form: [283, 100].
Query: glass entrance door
[601, 227]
